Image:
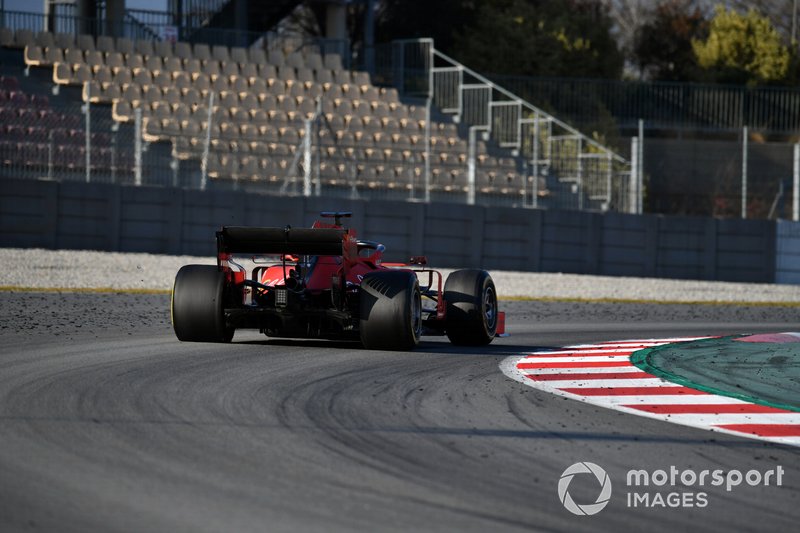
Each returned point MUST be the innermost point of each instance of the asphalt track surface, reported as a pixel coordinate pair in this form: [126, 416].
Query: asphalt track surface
[107, 423]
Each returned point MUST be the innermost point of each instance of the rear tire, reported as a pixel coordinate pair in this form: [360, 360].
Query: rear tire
[198, 299]
[390, 310]
[471, 307]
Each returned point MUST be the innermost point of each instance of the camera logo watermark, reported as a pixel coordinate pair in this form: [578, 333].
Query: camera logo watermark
[602, 498]
[670, 487]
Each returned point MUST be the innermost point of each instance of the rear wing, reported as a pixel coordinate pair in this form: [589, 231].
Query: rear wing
[300, 241]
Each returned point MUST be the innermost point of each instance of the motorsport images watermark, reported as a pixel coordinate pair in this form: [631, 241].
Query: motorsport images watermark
[644, 488]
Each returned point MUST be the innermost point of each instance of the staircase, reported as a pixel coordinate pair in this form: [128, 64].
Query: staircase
[591, 176]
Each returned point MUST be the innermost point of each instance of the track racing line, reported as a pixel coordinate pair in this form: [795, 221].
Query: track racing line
[603, 374]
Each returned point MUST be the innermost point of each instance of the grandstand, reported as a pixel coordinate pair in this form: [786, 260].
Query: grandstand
[281, 117]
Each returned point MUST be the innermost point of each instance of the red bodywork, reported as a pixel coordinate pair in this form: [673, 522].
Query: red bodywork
[313, 273]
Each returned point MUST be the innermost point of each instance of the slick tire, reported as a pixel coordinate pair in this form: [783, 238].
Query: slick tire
[198, 298]
[471, 300]
[390, 311]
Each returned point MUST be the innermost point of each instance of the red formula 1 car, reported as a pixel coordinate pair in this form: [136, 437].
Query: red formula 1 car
[324, 283]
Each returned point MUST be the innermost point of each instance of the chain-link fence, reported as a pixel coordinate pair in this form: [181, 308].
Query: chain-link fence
[43, 137]
[711, 177]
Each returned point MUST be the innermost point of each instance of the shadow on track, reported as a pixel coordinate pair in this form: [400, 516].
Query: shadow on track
[425, 347]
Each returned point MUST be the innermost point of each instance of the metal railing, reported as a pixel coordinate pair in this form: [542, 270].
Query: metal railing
[156, 25]
[663, 105]
[82, 142]
[598, 176]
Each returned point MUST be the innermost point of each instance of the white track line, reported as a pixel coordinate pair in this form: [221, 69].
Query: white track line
[578, 359]
[646, 391]
[590, 370]
[610, 383]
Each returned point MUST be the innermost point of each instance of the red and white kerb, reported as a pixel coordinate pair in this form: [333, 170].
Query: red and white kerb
[602, 374]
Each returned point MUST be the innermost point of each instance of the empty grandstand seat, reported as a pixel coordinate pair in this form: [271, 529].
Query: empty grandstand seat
[191, 96]
[211, 69]
[134, 62]
[220, 53]
[115, 61]
[181, 81]
[124, 46]
[305, 76]
[202, 84]
[295, 60]
[268, 73]
[333, 62]
[154, 64]
[343, 79]
[74, 56]
[105, 44]
[324, 77]
[260, 101]
[6, 37]
[183, 50]
[249, 70]
[121, 111]
[85, 42]
[103, 75]
[62, 73]
[229, 69]
[220, 84]
[192, 67]
[144, 47]
[239, 54]
[164, 48]
[23, 38]
[173, 64]
[257, 55]
[314, 61]
[162, 80]
[44, 39]
[276, 57]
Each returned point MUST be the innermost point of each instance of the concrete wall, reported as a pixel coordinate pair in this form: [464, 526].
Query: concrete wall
[173, 221]
[787, 268]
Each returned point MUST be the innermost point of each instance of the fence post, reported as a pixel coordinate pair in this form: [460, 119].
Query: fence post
[50, 149]
[207, 146]
[609, 181]
[744, 172]
[535, 162]
[317, 149]
[88, 140]
[796, 184]
[175, 166]
[640, 171]
[580, 173]
[471, 167]
[633, 182]
[114, 148]
[428, 148]
[137, 149]
[307, 159]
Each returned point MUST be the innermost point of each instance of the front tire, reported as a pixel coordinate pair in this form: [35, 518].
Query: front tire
[197, 307]
[471, 307]
[390, 310]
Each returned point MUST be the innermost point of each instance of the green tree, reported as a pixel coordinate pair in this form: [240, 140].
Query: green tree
[522, 37]
[742, 48]
[663, 45]
[439, 19]
[540, 38]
